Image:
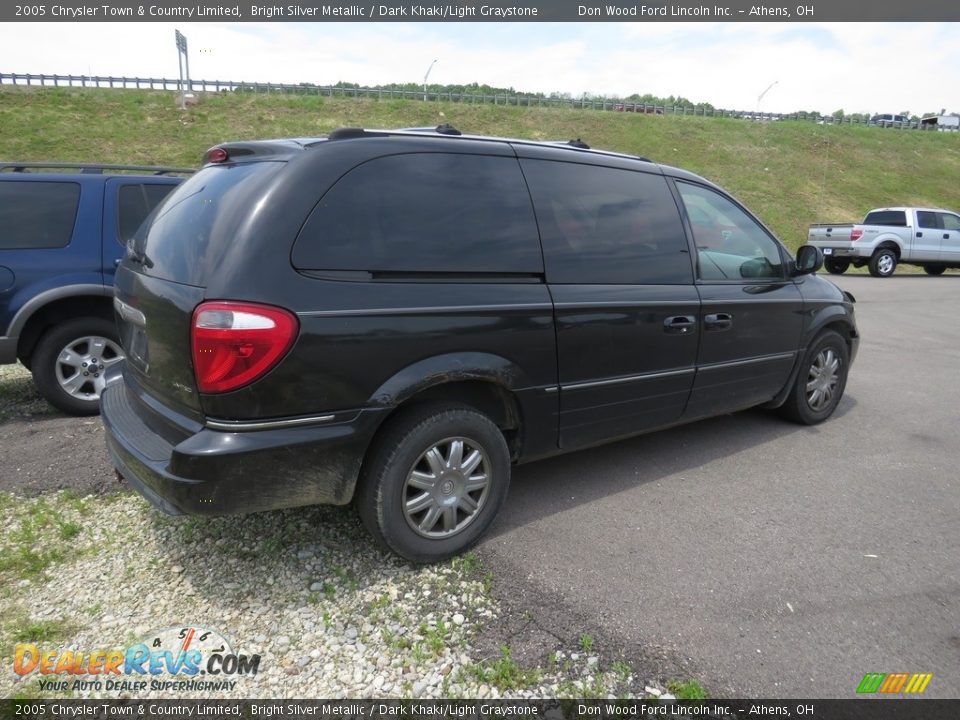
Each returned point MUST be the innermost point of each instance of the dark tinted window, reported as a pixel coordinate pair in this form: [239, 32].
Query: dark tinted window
[731, 245]
[37, 214]
[208, 205]
[134, 203]
[926, 219]
[603, 225]
[424, 213]
[891, 218]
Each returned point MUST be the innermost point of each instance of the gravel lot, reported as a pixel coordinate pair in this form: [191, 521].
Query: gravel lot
[92, 566]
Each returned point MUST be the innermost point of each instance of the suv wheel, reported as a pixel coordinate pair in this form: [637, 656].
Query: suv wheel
[434, 481]
[883, 263]
[934, 269]
[821, 381]
[836, 266]
[69, 362]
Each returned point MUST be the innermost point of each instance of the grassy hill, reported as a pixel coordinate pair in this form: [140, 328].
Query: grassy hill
[789, 173]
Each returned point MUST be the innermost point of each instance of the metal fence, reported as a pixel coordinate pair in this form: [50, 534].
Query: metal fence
[586, 103]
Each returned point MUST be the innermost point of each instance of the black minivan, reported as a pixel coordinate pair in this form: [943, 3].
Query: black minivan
[394, 318]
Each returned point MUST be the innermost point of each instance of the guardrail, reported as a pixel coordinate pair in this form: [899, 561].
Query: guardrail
[586, 103]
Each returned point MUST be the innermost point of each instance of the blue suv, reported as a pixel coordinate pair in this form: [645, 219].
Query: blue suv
[63, 229]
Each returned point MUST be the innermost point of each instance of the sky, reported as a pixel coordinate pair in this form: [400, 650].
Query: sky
[857, 67]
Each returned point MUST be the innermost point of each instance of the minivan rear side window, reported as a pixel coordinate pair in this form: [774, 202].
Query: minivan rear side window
[37, 215]
[603, 225]
[890, 218]
[424, 212]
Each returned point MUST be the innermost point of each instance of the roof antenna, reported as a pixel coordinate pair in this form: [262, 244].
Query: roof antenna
[578, 143]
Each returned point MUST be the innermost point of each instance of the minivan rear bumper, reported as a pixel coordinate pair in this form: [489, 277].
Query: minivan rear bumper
[182, 467]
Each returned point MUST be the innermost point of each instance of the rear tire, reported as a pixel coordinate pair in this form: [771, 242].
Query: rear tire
[821, 381]
[433, 481]
[69, 361]
[836, 266]
[934, 269]
[883, 263]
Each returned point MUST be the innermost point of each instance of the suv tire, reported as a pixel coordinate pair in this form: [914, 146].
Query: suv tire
[934, 269]
[836, 266]
[883, 263]
[434, 481]
[65, 385]
[820, 382]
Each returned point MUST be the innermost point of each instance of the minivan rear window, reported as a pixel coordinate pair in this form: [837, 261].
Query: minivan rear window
[446, 213]
[176, 240]
[37, 215]
[891, 218]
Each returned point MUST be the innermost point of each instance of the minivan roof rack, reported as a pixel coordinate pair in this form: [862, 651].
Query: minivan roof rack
[92, 168]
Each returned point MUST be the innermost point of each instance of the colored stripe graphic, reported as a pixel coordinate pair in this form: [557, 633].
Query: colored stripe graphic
[893, 683]
[918, 683]
[871, 682]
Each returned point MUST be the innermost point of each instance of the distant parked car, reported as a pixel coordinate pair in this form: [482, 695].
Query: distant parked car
[64, 227]
[929, 237]
[889, 120]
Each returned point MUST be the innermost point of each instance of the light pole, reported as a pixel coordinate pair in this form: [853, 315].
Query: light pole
[760, 96]
[426, 75]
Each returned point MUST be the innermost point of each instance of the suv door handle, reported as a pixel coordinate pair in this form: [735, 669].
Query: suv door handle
[717, 321]
[679, 324]
[946, 236]
[919, 234]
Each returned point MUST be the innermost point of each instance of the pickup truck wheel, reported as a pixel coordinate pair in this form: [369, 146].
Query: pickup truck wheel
[836, 266]
[434, 481]
[934, 269]
[821, 381]
[883, 263]
[69, 362]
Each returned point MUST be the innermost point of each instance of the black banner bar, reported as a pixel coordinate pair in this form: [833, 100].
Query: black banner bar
[484, 11]
[855, 709]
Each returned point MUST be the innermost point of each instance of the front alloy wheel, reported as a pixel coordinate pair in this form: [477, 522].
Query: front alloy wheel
[821, 381]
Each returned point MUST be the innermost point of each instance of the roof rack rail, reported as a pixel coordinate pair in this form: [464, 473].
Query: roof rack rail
[447, 129]
[92, 168]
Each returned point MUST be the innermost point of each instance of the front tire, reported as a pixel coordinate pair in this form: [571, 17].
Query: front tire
[934, 269]
[883, 263]
[836, 266]
[69, 362]
[434, 481]
[821, 381]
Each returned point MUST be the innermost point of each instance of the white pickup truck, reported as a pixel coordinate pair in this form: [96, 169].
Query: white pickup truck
[929, 237]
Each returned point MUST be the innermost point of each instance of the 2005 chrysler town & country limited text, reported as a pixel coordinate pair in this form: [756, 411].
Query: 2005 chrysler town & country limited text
[393, 318]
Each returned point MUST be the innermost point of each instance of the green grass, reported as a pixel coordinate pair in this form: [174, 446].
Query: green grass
[687, 690]
[504, 673]
[790, 173]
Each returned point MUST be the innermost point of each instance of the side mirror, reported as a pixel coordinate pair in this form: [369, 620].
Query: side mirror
[809, 260]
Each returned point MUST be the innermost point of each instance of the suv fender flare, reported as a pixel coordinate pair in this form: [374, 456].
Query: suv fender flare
[451, 367]
[48, 296]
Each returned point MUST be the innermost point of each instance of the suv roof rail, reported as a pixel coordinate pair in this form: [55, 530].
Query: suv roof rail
[92, 168]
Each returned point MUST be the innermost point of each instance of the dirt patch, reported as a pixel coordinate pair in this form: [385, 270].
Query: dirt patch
[45, 450]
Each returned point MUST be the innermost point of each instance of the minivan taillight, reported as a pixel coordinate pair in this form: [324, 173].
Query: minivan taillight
[235, 343]
[856, 234]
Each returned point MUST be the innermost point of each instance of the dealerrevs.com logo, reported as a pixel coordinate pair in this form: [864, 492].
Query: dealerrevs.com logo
[190, 658]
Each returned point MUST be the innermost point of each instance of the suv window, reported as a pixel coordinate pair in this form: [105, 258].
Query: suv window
[135, 202]
[424, 212]
[730, 244]
[890, 218]
[610, 226]
[949, 222]
[37, 215]
[927, 219]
